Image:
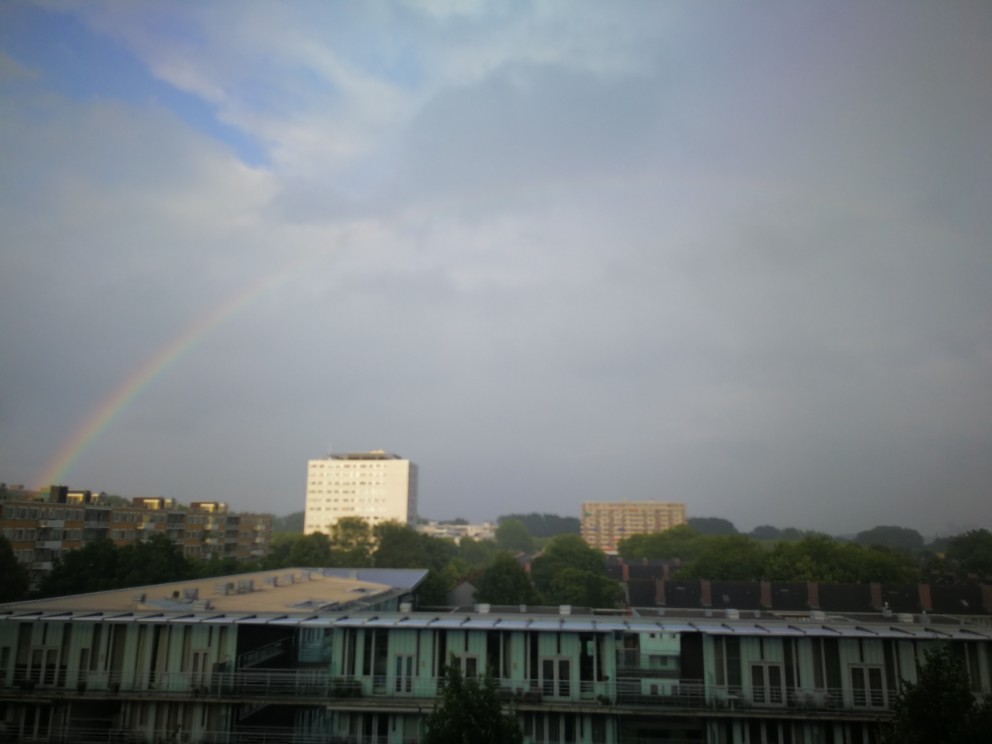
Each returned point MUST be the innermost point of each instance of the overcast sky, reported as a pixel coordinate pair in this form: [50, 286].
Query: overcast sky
[737, 255]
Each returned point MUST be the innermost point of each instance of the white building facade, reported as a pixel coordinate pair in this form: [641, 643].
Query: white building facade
[376, 486]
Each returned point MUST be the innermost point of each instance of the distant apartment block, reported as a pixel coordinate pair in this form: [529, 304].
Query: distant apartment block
[606, 523]
[452, 531]
[377, 486]
[44, 528]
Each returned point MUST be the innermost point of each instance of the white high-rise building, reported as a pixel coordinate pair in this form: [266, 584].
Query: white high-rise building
[376, 486]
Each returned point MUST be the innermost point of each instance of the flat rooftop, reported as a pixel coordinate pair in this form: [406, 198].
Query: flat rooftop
[341, 598]
[286, 590]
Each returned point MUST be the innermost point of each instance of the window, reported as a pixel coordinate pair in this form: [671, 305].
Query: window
[556, 676]
[404, 673]
[767, 684]
[868, 686]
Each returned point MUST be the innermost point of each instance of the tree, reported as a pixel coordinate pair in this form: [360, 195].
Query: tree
[893, 538]
[821, 558]
[505, 582]
[563, 552]
[972, 551]
[290, 523]
[351, 542]
[727, 558]
[476, 553]
[400, 546]
[13, 576]
[468, 711]
[152, 561]
[765, 532]
[712, 525]
[92, 568]
[546, 525]
[676, 542]
[512, 535]
[312, 551]
[573, 586]
[940, 708]
[571, 572]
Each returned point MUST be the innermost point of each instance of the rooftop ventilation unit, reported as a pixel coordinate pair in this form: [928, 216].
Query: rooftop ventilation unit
[191, 594]
[564, 609]
[733, 614]
[818, 615]
[906, 617]
[483, 608]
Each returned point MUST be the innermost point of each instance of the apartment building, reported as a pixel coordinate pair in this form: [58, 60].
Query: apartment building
[336, 655]
[377, 486]
[452, 531]
[42, 530]
[606, 523]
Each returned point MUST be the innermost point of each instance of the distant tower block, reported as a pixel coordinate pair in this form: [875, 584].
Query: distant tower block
[606, 523]
[376, 486]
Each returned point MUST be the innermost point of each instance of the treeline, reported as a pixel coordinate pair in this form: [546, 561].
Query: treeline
[567, 571]
[881, 554]
[545, 525]
[102, 565]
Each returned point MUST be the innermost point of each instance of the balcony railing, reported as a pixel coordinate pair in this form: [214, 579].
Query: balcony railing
[316, 686]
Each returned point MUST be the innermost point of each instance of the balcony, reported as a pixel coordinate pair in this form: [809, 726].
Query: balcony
[624, 697]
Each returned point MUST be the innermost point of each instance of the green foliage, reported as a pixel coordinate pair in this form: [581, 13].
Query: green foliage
[352, 542]
[821, 558]
[13, 576]
[400, 546]
[681, 542]
[972, 552]
[350, 546]
[289, 523]
[742, 558]
[571, 572]
[505, 582]
[313, 550]
[476, 554]
[562, 552]
[893, 538]
[574, 586]
[101, 565]
[939, 708]
[91, 568]
[152, 561]
[727, 558]
[546, 525]
[513, 535]
[712, 525]
[468, 711]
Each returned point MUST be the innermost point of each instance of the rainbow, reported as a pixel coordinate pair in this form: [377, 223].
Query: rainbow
[155, 366]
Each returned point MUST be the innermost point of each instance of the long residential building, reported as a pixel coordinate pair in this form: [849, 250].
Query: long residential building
[376, 486]
[42, 530]
[606, 523]
[338, 656]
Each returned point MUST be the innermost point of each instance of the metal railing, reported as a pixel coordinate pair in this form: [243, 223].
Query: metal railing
[316, 686]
